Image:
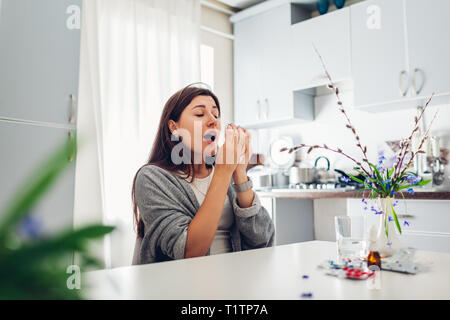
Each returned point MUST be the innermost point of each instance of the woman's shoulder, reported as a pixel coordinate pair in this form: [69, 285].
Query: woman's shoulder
[155, 174]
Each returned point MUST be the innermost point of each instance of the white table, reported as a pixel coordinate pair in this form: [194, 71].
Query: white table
[270, 273]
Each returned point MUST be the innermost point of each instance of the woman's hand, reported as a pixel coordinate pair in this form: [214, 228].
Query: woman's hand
[234, 149]
[240, 172]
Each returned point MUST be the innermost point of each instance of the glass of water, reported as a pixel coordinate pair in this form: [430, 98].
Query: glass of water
[351, 237]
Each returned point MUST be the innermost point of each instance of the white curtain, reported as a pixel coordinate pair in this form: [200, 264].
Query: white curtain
[134, 55]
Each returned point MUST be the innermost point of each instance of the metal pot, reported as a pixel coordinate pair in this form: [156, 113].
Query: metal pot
[280, 179]
[261, 177]
[302, 175]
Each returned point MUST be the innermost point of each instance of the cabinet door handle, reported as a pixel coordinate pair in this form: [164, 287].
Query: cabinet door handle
[417, 70]
[72, 145]
[405, 216]
[259, 110]
[403, 92]
[72, 113]
[266, 114]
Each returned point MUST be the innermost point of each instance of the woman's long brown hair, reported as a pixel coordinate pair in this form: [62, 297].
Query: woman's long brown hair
[162, 146]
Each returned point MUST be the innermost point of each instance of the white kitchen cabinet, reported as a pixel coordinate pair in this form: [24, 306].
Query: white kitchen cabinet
[293, 219]
[379, 63]
[427, 25]
[330, 34]
[429, 222]
[399, 53]
[39, 59]
[23, 148]
[263, 94]
[247, 70]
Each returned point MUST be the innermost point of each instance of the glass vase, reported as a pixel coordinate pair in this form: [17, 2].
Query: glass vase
[388, 236]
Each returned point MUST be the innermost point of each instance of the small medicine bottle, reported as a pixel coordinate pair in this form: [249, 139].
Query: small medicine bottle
[374, 259]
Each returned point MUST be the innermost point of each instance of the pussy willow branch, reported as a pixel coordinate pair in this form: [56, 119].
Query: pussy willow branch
[406, 144]
[326, 148]
[341, 107]
[425, 137]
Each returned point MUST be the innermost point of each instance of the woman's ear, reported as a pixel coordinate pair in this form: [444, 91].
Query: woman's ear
[173, 127]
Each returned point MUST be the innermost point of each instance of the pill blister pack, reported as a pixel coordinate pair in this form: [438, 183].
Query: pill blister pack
[347, 269]
[401, 261]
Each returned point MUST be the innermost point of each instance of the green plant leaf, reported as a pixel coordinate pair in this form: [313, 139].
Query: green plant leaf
[355, 179]
[423, 182]
[395, 217]
[390, 172]
[379, 178]
[57, 245]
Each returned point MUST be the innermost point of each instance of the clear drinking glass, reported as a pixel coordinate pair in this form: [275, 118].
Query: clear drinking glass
[351, 237]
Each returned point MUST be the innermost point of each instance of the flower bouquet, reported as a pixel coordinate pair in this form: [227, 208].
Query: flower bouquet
[382, 183]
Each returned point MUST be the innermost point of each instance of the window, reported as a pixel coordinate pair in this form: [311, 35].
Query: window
[207, 65]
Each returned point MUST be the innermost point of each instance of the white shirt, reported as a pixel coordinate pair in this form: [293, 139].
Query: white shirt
[222, 239]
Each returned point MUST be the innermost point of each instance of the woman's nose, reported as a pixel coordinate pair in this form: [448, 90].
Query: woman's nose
[212, 120]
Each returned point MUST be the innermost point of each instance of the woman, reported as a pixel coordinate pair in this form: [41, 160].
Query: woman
[193, 198]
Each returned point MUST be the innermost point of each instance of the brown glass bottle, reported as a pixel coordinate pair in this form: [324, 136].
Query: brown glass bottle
[374, 259]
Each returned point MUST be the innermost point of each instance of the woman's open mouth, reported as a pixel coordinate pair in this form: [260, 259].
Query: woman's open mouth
[210, 136]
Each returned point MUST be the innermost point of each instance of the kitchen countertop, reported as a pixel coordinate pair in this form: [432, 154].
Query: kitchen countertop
[336, 193]
[270, 273]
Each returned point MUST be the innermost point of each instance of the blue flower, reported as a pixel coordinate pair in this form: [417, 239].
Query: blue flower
[387, 181]
[394, 192]
[395, 203]
[346, 179]
[30, 227]
[389, 243]
[411, 191]
[390, 219]
[365, 208]
[364, 200]
[406, 223]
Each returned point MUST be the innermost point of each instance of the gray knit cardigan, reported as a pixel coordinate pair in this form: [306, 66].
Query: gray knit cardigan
[167, 204]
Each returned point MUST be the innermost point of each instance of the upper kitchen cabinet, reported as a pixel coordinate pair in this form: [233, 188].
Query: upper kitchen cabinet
[39, 59]
[399, 53]
[330, 34]
[427, 25]
[263, 94]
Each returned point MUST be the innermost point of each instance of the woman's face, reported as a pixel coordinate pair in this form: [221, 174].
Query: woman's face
[199, 126]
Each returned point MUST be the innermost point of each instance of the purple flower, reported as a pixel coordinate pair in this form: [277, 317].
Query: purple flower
[364, 201]
[389, 243]
[375, 210]
[305, 276]
[365, 208]
[30, 228]
[346, 179]
[406, 224]
[395, 203]
[390, 219]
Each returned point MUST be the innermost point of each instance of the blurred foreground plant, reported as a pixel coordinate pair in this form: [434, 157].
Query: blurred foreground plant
[37, 268]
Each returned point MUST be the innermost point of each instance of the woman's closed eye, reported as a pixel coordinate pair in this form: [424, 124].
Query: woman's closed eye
[201, 115]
